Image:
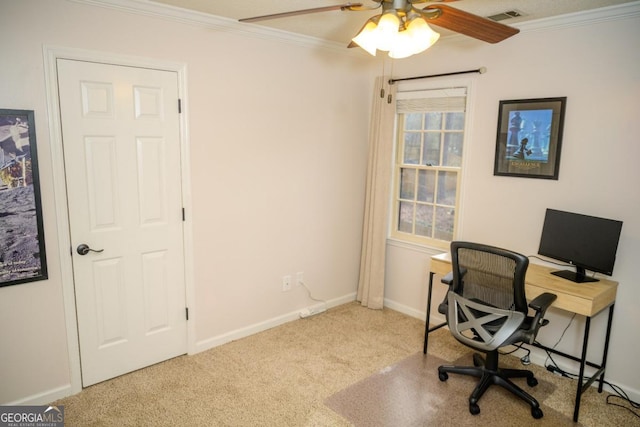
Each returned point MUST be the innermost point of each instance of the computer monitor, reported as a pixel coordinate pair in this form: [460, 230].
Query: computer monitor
[587, 242]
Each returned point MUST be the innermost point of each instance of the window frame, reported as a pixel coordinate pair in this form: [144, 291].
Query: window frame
[398, 165]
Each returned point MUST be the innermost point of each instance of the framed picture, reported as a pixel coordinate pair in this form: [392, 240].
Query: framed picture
[22, 251]
[530, 138]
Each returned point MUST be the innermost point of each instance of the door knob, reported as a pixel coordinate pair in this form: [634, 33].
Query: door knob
[84, 249]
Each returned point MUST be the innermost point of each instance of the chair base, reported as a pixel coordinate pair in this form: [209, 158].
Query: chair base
[489, 374]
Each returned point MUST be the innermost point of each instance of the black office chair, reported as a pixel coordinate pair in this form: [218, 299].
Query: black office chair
[486, 309]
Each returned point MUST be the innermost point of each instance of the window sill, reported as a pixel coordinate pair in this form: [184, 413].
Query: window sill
[416, 247]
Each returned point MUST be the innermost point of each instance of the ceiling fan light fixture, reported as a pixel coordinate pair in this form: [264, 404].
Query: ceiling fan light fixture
[400, 37]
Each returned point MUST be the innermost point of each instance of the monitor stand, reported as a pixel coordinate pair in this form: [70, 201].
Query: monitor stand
[579, 276]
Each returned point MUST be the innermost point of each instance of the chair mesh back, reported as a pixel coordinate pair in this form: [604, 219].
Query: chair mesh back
[488, 277]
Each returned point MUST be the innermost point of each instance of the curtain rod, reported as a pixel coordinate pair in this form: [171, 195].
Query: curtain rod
[480, 70]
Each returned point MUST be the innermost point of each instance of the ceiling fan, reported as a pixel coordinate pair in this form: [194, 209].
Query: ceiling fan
[401, 27]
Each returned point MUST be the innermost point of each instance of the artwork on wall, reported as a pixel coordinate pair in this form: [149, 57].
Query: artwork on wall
[529, 138]
[22, 251]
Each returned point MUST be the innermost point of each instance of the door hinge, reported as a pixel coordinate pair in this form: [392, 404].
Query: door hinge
[186, 310]
[183, 215]
[179, 106]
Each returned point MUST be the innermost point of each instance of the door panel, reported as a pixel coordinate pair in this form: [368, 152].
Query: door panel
[151, 181]
[121, 142]
[102, 182]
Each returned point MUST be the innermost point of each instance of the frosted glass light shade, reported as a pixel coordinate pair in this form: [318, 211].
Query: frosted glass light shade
[423, 37]
[403, 46]
[387, 30]
[368, 38]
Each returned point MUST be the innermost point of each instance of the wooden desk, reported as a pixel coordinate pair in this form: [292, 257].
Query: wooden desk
[587, 299]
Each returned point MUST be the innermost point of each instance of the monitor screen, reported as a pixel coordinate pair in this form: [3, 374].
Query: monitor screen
[587, 242]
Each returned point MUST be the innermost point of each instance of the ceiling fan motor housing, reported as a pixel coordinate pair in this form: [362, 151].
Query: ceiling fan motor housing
[405, 9]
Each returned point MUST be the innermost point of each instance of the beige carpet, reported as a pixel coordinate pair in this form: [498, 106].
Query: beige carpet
[410, 394]
[282, 377]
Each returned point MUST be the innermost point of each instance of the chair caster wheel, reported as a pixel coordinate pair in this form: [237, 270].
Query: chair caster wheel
[474, 409]
[536, 413]
[443, 376]
[532, 382]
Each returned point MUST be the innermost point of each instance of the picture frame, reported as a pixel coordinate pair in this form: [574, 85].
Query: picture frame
[22, 247]
[529, 138]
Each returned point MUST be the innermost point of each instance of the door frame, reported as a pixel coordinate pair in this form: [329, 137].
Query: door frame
[51, 55]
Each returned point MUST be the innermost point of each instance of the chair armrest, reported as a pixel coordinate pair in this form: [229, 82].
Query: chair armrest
[542, 302]
[447, 279]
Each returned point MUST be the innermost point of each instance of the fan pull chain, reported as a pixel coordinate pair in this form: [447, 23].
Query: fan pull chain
[389, 98]
[382, 82]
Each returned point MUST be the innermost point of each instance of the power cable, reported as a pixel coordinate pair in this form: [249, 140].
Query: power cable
[311, 296]
[618, 392]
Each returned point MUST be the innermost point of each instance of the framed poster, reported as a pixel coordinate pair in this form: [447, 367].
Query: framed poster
[529, 138]
[22, 250]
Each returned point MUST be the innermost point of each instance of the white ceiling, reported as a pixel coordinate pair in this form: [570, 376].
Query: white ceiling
[341, 26]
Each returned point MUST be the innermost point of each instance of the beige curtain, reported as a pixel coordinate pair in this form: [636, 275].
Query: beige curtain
[379, 174]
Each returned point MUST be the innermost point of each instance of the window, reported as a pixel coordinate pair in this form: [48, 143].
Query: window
[430, 139]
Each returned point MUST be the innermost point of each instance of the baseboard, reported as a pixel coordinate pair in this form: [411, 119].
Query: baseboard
[405, 309]
[436, 318]
[237, 334]
[44, 397]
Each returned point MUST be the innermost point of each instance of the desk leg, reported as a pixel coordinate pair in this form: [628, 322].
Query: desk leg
[583, 359]
[426, 325]
[606, 348]
[584, 387]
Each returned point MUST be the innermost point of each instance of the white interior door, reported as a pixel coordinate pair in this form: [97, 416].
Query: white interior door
[121, 139]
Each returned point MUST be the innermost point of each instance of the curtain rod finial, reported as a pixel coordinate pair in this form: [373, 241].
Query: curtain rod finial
[482, 70]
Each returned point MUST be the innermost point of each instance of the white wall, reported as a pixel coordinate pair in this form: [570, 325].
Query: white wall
[278, 139]
[596, 66]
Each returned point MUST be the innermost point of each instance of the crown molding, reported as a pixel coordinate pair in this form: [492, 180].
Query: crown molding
[189, 17]
[587, 17]
[219, 23]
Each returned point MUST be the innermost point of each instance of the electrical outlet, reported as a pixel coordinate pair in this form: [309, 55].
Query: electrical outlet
[286, 283]
[299, 278]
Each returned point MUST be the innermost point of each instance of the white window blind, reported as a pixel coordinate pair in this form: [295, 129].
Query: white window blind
[444, 100]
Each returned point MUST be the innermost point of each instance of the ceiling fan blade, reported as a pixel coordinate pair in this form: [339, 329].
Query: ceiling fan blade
[345, 6]
[469, 24]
